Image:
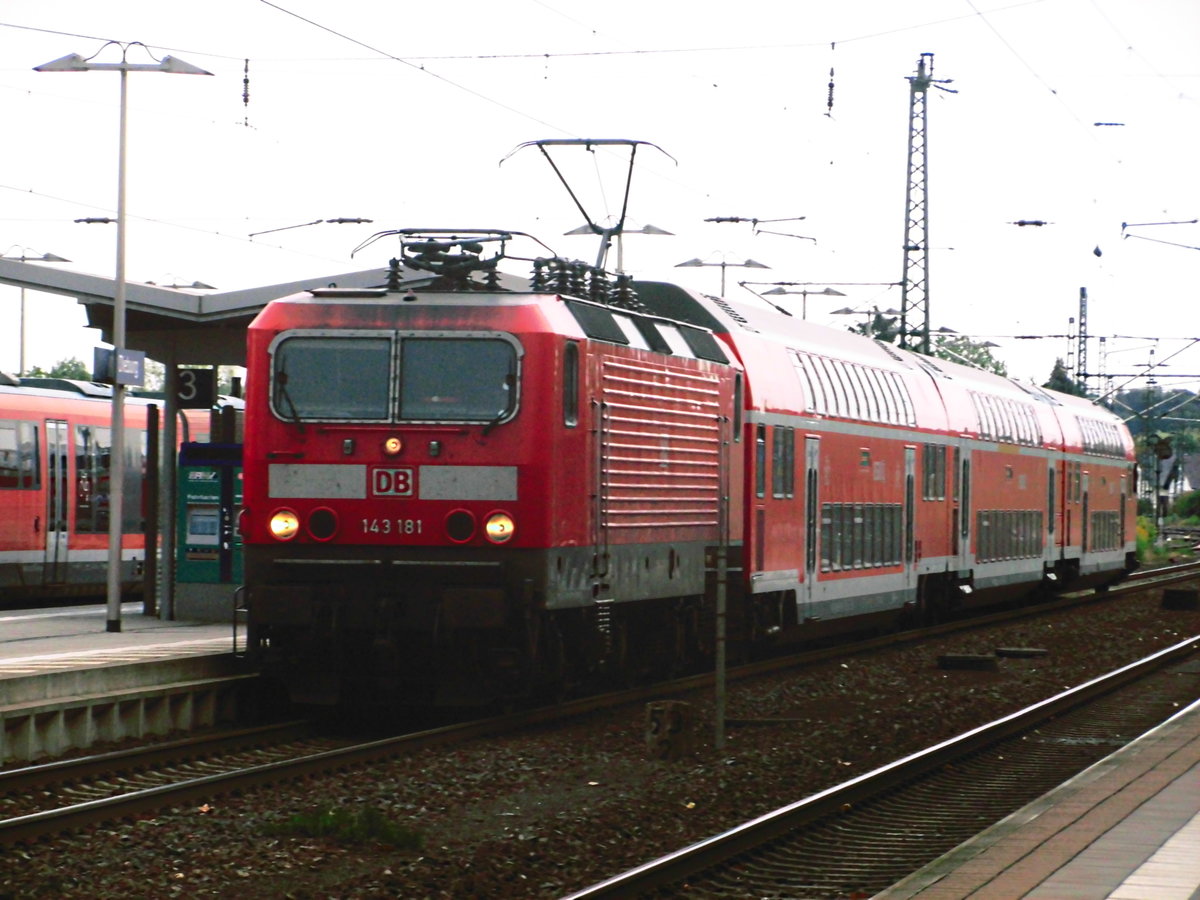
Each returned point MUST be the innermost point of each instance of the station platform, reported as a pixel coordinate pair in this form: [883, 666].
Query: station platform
[67, 683]
[1127, 828]
[69, 637]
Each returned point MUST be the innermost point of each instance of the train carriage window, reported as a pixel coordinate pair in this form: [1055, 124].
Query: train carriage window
[826, 537]
[850, 390]
[833, 394]
[870, 403]
[870, 536]
[789, 463]
[856, 531]
[783, 462]
[20, 461]
[883, 397]
[570, 385]
[807, 387]
[910, 416]
[823, 394]
[92, 446]
[332, 378]
[760, 461]
[1050, 473]
[777, 461]
[737, 408]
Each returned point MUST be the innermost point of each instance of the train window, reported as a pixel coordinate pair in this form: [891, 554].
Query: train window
[652, 336]
[92, 447]
[883, 401]
[457, 379]
[675, 340]
[570, 385]
[811, 380]
[760, 461]
[783, 462]
[597, 322]
[19, 458]
[933, 481]
[965, 518]
[1050, 498]
[737, 408]
[870, 403]
[703, 344]
[332, 378]
[910, 417]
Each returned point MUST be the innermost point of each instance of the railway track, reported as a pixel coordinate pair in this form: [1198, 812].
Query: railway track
[116, 785]
[857, 838]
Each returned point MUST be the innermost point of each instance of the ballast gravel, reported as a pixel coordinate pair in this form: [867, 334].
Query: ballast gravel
[551, 811]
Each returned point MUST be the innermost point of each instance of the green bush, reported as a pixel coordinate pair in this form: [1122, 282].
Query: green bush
[1187, 505]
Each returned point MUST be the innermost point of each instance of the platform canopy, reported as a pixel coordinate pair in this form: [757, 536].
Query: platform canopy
[177, 323]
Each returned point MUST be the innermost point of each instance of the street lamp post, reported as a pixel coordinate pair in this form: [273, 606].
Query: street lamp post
[697, 263]
[45, 257]
[804, 294]
[172, 66]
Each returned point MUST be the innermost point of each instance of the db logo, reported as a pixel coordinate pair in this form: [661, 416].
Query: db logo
[392, 482]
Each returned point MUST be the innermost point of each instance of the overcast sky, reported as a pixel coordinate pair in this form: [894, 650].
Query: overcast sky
[402, 112]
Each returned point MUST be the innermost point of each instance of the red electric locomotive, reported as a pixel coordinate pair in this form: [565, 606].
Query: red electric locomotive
[454, 489]
[448, 485]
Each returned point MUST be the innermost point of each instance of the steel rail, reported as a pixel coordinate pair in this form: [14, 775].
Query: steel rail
[36, 825]
[675, 867]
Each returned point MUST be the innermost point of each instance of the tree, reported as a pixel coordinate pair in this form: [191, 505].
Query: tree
[64, 368]
[961, 349]
[951, 347]
[1061, 381]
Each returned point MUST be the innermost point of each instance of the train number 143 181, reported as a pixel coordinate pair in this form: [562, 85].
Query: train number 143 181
[391, 526]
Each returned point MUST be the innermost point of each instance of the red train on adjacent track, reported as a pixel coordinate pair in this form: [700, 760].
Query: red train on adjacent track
[55, 437]
[457, 489]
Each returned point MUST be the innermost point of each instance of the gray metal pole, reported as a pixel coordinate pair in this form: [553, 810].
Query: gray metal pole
[167, 485]
[116, 462]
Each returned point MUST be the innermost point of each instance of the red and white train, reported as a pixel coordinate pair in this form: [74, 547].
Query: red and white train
[453, 488]
[54, 475]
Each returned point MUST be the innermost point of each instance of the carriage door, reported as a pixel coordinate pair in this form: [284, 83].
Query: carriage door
[812, 523]
[961, 519]
[54, 569]
[1083, 516]
[910, 513]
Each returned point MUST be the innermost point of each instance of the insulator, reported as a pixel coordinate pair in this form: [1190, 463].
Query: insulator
[393, 276]
[624, 296]
[598, 286]
[538, 282]
[562, 276]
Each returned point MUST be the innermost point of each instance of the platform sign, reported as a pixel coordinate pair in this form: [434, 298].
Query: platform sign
[197, 388]
[126, 367]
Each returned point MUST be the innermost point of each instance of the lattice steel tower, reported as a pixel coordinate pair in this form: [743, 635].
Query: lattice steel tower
[914, 298]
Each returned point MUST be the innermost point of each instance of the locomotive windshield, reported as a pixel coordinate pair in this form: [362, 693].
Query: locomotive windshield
[394, 378]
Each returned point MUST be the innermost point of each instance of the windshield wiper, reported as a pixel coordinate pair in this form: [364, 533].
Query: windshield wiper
[281, 380]
[509, 382]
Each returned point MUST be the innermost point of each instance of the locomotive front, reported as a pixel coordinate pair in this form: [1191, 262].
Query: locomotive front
[390, 548]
